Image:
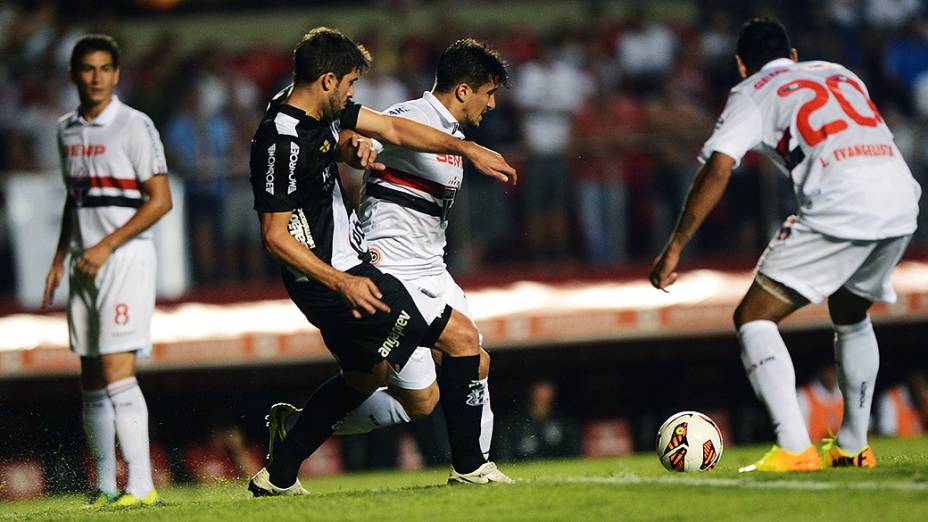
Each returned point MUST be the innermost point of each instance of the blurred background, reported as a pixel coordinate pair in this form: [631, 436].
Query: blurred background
[607, 109]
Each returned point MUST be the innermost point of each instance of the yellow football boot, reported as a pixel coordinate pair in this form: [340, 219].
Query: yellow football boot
[128, 500]
[781, 461]
[835, 457]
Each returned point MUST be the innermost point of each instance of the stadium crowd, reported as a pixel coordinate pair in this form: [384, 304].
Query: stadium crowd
[603, 119]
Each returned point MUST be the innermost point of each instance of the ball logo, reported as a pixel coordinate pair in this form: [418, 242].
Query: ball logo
[709, 456]
[676, 448]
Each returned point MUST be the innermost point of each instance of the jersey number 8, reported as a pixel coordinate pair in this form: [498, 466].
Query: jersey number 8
[815, 136]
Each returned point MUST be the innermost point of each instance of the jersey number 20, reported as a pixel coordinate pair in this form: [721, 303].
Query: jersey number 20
[833, 85]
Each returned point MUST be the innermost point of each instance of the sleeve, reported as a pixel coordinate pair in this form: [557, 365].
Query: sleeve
[145, 150]
[348, 118]
[410, 111]
[275, 164]
[738, 130]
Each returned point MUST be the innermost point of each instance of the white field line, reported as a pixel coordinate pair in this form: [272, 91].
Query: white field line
[629, 479]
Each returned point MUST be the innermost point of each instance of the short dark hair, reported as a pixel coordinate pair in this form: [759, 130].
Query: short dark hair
[762, 40]
[471, 62]
[325, 50]
[89, 43]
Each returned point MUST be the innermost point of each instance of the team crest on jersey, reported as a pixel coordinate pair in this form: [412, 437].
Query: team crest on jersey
[325, 147]
[375, 255]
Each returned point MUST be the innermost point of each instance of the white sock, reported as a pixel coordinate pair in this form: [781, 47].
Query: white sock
[132, 430]
[486, 420]
[378, 411]
[770, 370]
[857, 357]
[100, 429]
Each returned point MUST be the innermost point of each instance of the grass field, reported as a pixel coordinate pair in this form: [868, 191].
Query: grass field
[632, 488]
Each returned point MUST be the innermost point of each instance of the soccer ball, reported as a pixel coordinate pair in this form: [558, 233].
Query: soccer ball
[689, 441]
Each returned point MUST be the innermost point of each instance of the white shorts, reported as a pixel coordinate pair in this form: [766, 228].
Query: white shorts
[111, 313]
[816, 265]
[431, 294]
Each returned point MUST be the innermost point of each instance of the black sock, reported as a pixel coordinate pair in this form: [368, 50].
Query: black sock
[462, 401]
[328, 405]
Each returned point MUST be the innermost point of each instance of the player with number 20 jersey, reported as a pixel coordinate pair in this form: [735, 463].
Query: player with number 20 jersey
[858, 205]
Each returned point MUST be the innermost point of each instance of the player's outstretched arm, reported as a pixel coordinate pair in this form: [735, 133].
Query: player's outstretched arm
[361, 294]
[155, 207]
[357, 151]
[409, 134]
[704, 195]
[56, 271]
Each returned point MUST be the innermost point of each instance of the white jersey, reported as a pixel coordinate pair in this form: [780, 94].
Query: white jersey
[816, 122]
[404, 209]
[104, 163]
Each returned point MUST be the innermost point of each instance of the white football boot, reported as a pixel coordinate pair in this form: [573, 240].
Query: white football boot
[260, 486]
[485, 474]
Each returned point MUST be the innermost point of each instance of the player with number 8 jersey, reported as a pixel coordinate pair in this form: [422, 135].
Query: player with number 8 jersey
[114, 169]
[857, 210]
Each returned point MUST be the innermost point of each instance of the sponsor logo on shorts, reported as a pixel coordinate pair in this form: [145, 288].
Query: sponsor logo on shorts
[294, 156]
[396, 333]
[326, 145]
[269, 173]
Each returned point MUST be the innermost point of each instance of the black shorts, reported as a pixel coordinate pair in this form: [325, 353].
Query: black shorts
[359, 344]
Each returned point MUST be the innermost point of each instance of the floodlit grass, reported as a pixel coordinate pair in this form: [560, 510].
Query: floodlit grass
[632, 488]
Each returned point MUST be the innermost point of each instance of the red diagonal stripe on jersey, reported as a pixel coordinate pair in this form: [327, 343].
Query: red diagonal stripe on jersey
[111, 182]
[399, 177]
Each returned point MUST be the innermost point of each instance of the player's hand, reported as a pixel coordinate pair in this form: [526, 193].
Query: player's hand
[362, 295]
[662, 273]
[94, 258]
[52, 280]
[491, 163]
[365, 153]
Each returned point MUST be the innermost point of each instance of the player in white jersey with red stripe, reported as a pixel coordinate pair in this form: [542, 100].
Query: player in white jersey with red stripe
[858, 205]
[114, 169]
[404, 213]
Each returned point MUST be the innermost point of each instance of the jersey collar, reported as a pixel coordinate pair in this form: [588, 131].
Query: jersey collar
[105, 118]
[443, 111]
[779, 62]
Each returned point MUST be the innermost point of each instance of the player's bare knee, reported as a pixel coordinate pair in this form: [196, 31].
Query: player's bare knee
[116, 367]
[460, 337]
[368, 382]
[845, 307]
[741, 315]
[421, 403]
[484, 369]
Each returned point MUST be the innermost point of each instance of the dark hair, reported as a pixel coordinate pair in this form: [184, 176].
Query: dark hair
[471, 62]
[762, 40]
[325, 50]
[89, 43]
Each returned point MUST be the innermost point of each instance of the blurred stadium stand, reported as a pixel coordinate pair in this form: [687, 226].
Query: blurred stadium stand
[579, 313]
